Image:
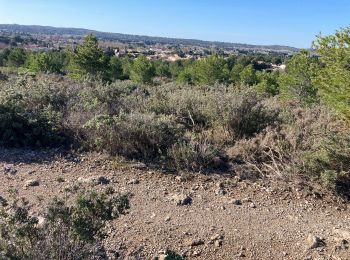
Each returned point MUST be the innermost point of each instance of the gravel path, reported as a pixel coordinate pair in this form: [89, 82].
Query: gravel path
[222, 217]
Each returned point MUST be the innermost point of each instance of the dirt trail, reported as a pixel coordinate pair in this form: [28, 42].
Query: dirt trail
[225, 218]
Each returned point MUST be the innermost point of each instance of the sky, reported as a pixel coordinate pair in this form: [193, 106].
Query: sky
[284, 22]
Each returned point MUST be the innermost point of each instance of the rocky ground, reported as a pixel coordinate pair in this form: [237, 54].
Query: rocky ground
[199, 216]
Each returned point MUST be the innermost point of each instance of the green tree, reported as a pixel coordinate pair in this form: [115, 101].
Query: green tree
[127, 64]
[231, 61]
[116, 68]
[175, 68]
[142, 70]
[186, 76]
[247, 75]
[211, 70]
[16, 58]
[3, 56]
[235, 76]
[333, 76]
[52, 62]
[162, 69]
[298, 81]
[88, 60]
[268, 82]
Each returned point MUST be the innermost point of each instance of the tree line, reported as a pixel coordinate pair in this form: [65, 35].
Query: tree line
[308, 78]
[88, 59]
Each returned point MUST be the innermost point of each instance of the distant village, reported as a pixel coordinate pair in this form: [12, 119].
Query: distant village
[167, 52]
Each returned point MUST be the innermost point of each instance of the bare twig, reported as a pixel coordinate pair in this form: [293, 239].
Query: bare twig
[191, 118]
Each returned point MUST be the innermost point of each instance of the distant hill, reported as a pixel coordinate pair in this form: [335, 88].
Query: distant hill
[79, 32]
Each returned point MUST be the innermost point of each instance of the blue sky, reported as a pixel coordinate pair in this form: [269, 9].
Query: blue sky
[288, 22]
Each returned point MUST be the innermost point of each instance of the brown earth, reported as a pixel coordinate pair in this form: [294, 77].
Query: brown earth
[276, 219]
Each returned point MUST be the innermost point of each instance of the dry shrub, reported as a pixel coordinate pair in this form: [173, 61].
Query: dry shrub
[265, 154]
[135, 135]
[248, 115]
[310, 143]
[194, 107]
[186, 125]
[242, 111]
[196, 154]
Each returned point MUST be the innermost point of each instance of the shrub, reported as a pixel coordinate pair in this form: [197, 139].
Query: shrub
[242, 111]
[31, 113]
[20, 129]
[247, 115]
[90, 211]
[16, 57]
[332, 77]
[135, 135]
[3, 77]
[195, 108]
[67, 233]
[111, 99]
[309, 143]
[195, 154]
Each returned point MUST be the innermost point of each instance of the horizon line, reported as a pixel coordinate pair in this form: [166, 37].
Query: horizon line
[153, 36]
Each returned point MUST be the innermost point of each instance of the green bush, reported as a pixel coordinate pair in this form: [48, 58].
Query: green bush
[68, 232]
[20, 129]
[331, 161]
[171, 255]
[32, 113]
[89, 213]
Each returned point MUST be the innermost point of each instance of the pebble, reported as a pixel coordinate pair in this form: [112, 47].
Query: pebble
[195, 242]
[96, 180]
[31, 183]
[133, 181]
[313, 242]
[162, 257]
[252, 205]
[220, 192]
[196, 253]
[182, 199]
[180, 178]
[217, 243]
[236, 202]
[41, 221]
[216, 237]
[9, 168]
